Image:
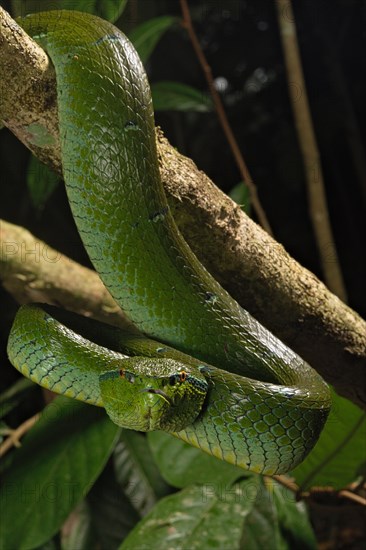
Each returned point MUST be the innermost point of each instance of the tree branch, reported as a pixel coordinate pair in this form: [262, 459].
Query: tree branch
[32, 271]
[255, 269]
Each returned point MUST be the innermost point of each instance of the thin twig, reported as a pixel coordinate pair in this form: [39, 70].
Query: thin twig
[286, 482]
[243, 169]
[358, 485]
[17, 434]
[352, 496]
[292, 486]
[314, 177]
[332, 494]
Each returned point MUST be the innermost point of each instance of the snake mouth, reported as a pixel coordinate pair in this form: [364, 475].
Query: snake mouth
[158, 392]
[152, 420]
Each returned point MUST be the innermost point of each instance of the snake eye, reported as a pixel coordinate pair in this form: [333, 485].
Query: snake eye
[130, 377]
[172, 379]
[127, 375]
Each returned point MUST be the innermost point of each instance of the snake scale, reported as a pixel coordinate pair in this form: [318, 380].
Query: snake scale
[205, 370]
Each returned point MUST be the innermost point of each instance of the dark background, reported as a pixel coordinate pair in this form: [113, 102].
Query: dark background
[242, 44]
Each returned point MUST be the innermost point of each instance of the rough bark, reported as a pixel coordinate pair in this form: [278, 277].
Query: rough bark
[255, 269]
[32, 271]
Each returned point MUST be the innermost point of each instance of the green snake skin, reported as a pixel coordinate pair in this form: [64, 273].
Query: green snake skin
[220, 381]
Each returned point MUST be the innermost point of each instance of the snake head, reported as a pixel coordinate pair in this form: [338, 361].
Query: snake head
[148, 394]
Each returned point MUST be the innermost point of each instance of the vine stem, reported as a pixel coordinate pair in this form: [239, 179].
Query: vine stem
[219, 107]
[17, 434]
[318, 208]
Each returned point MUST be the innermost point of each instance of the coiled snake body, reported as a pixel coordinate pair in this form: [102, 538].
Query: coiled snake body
[219, 381]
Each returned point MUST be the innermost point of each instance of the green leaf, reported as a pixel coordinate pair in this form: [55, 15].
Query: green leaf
[11, 397]
[339, 455]
[173, 96]
[195, 518]
[137, 472]
[110, 9]
[293, 518]
[59, 460]
[52, 544]
[181, 465]
[81, 534]
[240, 194]
[146, 36]
[41, 182]
[247, 514]
[112, 513]
[276, 521]
[106, 9]
[261, 529]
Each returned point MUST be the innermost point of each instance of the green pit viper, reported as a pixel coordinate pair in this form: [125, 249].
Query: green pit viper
[205, 371]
